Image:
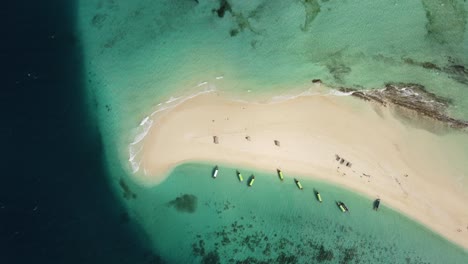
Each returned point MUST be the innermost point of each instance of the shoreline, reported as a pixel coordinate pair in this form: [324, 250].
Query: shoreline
[404, 166]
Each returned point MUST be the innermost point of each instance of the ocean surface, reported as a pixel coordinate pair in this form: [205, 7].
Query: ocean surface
[56, 204]
[84, 77]
[194, 218]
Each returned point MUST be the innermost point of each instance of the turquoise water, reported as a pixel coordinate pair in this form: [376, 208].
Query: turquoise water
[275, 222]
[149, 51]
[142, 56]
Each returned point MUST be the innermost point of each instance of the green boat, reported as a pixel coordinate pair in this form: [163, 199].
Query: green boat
[319, 197]
[239, 175]
[215, 172]
[298, 183]
[251, 181]
[280, 174]
[342, 207]
[376, 204]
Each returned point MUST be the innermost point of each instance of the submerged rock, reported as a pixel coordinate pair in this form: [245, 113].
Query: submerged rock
[312, 9]
[127, 192]
[338, 70]
[211, 258]
[186, 203]
[454, 69]
[349, 255]
[98, 20]
[233, 32]
[324, 255]
[445, 21]
[458, 72]
[240, 19]
[414, 97]
[223, 7]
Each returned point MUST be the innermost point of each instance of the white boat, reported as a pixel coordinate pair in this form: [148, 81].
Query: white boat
[215, 172]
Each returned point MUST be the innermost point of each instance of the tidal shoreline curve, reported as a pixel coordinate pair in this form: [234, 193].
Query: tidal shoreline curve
[403, 165]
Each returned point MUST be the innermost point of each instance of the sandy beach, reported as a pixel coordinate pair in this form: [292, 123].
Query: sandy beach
[354, 144]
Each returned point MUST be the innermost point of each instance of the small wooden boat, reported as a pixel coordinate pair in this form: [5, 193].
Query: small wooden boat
[342, 207]
[251, 180]
[280, 174]
[215, 172]
[319, 197]
[298, 183]
[376, 204]
[239, 175]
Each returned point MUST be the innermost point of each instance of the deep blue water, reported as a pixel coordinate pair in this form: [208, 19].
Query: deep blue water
[55, 203]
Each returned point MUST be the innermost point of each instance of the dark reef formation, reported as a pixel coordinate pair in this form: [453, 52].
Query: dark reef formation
[413, 97]
[223, 7]
[454, 68]
[324, 255]
[312, 9]
[186, 203]
[211, 258]
[446, 21]
[245, 241]
[241, 20]
[270, 248]
[127, 192]
[458, 72]
[98, 20]
[338, 71]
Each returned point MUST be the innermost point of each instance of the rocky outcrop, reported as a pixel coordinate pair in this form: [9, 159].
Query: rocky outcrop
[414, 97]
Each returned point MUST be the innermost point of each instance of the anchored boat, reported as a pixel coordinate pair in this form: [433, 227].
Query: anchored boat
[215, 171]
[251, 180]
[239, 175]
[298, 183]
[376, 204]
[319, 197]
[342, 207]
[280, 174]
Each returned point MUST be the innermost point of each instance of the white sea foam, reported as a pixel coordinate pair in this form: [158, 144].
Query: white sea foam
[134, 152]
[136, 146]
[339, 93]
[142, 130]
[201, 84]
[144, 121]
[172, 99]
[309, 92]
[135, 166]
[281, 98]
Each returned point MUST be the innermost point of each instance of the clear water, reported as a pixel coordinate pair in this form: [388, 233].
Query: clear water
[144, 55]
[274, 221]
[149, 51]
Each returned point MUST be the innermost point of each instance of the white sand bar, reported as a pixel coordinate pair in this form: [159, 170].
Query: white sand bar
[419, 173]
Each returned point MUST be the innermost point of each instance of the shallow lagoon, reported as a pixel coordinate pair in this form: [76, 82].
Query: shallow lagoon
[275, 222]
